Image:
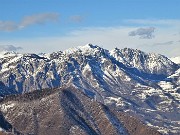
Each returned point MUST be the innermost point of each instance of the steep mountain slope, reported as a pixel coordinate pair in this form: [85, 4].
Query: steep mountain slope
[67, 111]
[143, 85]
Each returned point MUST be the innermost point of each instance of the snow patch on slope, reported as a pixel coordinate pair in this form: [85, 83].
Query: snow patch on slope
[1, 129]
[6, 107]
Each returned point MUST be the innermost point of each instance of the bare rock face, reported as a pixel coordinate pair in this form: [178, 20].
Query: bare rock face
[67, 111]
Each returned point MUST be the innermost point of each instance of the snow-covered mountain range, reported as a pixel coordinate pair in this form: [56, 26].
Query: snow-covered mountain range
[145, 85]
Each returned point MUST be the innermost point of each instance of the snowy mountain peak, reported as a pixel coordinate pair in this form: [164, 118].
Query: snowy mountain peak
[89, 45]
[87, 49]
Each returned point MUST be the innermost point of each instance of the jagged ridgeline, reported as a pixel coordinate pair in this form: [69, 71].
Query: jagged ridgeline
[143, 85]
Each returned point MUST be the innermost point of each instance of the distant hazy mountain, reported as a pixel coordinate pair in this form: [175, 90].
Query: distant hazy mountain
[176, 60]
[143, 85]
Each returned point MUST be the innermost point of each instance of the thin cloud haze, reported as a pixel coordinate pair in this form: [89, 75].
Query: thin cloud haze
[8, 26]
[164, 43]
[175, 22]
[143, 33]
[39, 19]
[76, 18]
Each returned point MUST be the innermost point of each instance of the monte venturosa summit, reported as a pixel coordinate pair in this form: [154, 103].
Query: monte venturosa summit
[143, 85]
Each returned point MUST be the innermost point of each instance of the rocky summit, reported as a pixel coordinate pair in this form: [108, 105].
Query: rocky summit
[89, 90]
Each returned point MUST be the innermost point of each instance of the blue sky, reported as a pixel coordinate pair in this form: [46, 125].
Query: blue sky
[51, 25]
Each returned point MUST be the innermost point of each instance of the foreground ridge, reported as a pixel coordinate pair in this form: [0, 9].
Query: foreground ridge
[67, 111]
